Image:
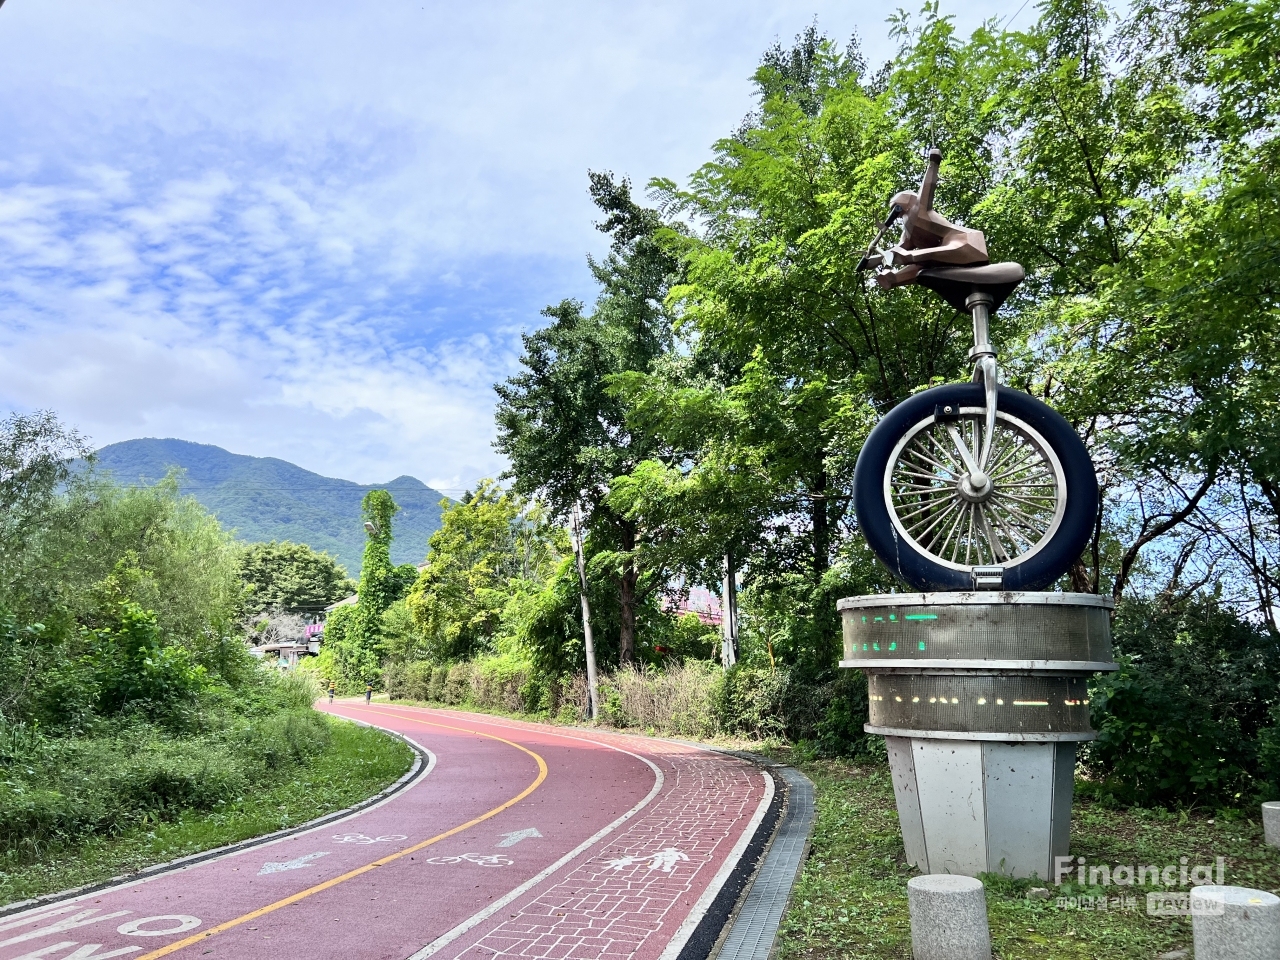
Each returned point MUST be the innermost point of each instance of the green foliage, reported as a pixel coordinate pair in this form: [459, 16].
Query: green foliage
[58, 791]
[136, 672]
[492, 550]
[1192, 714]
[291, 577]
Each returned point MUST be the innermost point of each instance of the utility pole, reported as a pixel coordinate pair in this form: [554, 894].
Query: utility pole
[729, 614]
[592, 691]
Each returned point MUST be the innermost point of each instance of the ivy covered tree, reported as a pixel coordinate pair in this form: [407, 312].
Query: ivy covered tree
[354, 634]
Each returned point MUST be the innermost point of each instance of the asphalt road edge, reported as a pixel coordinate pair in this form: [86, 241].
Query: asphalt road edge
[423, 761]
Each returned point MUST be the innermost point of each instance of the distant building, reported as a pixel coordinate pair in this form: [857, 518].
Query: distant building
[699, 601]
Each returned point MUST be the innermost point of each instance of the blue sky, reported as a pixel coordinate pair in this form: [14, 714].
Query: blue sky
[315, 230]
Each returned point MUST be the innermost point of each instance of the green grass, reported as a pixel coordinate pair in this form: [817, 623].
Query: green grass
[851, 900]
[357, 763]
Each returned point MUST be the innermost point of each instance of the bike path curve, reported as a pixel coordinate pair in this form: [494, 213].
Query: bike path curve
[519, 840]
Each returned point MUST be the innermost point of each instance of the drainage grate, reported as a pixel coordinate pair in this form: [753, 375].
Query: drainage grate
[755, 929]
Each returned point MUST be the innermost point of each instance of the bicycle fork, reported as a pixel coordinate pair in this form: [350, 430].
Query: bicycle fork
[976, 485]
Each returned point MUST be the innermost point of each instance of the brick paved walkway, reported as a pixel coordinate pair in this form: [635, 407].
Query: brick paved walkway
[629, 897]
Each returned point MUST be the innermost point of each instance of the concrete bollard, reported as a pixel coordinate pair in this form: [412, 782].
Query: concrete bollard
[948, 918]
[1271, 823]
[1235, 923]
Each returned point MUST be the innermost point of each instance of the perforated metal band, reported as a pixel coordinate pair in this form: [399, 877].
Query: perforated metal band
[926, 630]
[991, 703]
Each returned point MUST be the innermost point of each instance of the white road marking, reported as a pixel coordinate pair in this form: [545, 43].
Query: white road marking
[295, 864]
[88, 952]
[133, 928]
[515, 836]
[81, 919]
[481, 859]
[663, 860]
[361, 838]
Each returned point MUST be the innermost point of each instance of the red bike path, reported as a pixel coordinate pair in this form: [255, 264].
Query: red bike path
[518, 840]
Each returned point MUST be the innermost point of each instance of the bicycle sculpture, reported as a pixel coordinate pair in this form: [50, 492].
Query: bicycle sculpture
[968, 486]
[963, 490]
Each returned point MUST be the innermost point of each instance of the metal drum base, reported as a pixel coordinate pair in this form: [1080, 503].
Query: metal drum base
[981, 699]
[983, 806]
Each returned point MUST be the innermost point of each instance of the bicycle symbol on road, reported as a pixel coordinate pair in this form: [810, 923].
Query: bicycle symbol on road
[479, 859]
[361, 838]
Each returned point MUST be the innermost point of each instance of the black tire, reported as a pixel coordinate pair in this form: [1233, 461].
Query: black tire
[921, 570]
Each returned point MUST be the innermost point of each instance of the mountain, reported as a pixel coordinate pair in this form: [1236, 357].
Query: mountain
[262, 498]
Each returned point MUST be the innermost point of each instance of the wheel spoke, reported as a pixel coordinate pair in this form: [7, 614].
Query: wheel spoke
[952, 533]
[968, 545]
[920, 455]
[941, 515]
[993, 541]
[1014, 520]
[1045, 502]
[1010, 531]
[921, 509]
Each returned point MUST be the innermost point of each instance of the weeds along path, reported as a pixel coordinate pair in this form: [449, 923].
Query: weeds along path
[521, 840]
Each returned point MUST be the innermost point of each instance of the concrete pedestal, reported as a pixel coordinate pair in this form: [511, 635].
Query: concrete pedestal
[948, 918]
[1271, 823]
[972, 806]
[1235, 923]
[981, 698]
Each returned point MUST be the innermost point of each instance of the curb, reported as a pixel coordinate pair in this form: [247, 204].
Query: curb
[416, 771]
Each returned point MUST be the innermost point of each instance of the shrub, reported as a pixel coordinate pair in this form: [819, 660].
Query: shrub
[439, 679]
[678, 700]
[457, 684]
[417, 681]
[502, 683]
[138, 672]
[393, 680]
[754, 702]
[1190, 716]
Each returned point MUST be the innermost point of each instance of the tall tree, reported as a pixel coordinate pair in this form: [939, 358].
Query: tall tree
[490, 547]
[561, 425]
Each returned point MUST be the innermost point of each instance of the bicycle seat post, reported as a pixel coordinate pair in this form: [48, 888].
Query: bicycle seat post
[979, 307]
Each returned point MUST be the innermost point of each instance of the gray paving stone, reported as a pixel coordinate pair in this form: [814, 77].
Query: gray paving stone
[755, 931]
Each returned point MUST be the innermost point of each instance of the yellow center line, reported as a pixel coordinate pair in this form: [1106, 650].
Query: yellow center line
[303, 894]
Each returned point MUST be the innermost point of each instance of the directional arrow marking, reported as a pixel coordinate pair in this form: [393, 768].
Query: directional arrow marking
[297, 864]
[515, 836]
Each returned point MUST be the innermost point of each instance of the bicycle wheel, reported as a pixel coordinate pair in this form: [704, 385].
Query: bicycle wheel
[919, 509]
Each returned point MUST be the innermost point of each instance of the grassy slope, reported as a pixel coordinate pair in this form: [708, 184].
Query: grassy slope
[851, 900]
[262, 498]
[359, 763]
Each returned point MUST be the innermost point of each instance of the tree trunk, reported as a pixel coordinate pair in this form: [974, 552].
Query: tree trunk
[627, 600]
[821, 526]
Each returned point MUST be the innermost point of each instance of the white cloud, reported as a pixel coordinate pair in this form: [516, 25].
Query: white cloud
[312, 230]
